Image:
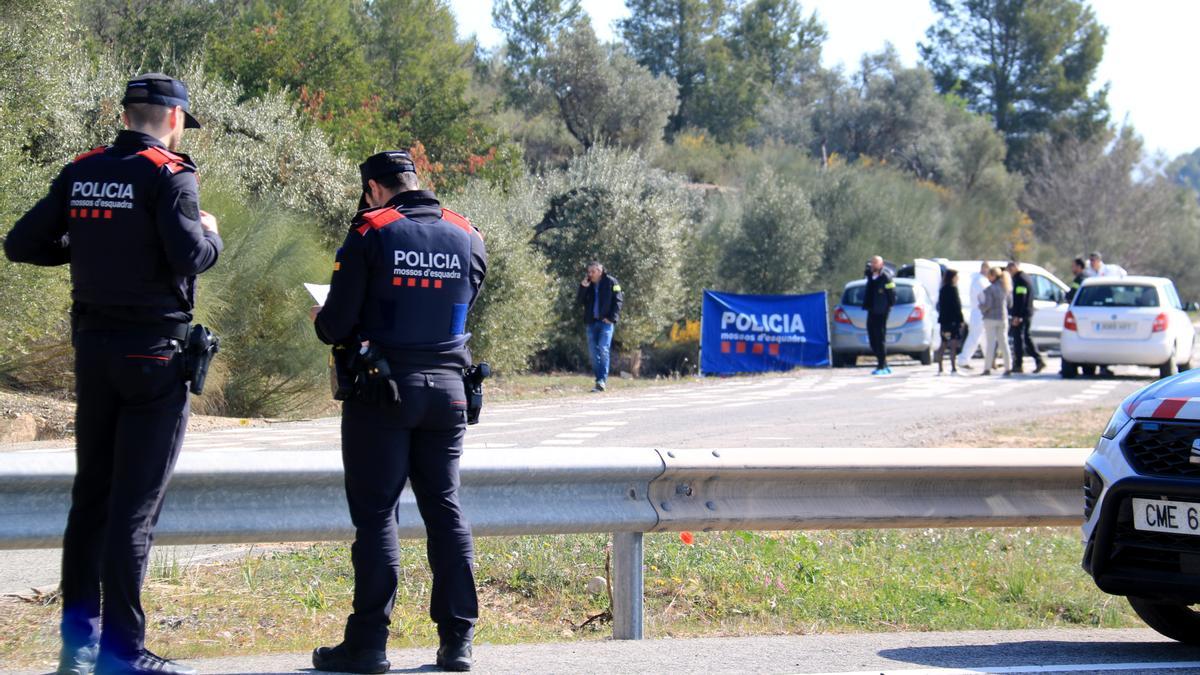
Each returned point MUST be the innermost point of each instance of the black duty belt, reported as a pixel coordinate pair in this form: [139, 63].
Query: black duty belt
[167, 329]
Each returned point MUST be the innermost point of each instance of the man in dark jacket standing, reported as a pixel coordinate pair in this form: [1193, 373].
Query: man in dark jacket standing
[1021, 319]
[127, 219]
[601, 296]
[878, 300]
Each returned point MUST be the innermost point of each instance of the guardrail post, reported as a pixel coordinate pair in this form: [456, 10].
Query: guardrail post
[627, 586]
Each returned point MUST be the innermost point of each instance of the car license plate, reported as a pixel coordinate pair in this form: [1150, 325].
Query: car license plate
[893, 338]
[1113, 326]
[1160, 515]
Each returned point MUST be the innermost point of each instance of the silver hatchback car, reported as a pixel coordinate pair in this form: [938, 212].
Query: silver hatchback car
[911, 325]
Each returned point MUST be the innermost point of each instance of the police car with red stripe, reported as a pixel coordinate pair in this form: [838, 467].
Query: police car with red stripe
[1142, 506]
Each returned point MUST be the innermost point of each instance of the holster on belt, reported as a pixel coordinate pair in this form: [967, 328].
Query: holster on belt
[473, 378]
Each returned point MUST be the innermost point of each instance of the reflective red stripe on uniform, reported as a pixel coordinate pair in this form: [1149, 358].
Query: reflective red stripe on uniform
[162, 157]
[93, 151]
[460, 221]
[378, 218]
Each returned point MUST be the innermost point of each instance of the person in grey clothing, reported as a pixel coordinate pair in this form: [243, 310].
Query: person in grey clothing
[994, 307]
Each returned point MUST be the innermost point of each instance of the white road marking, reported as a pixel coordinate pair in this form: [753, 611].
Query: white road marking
[1004, 670]
[576, 434]
[562, 441]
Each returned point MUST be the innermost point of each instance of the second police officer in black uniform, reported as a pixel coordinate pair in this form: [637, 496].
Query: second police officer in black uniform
[878, 298]
[127, 219]
[1022, 320]
[403, 283]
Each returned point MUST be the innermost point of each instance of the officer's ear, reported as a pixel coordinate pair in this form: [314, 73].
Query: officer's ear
[175, 117]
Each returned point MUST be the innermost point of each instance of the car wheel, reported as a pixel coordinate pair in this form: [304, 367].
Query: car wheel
[844, 360]
[1174, 620]
[926, 357]
[1088, 370]
[1069, 370]
[1169, 368]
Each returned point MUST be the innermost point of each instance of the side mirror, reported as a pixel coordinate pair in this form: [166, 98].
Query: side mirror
[1192, 306]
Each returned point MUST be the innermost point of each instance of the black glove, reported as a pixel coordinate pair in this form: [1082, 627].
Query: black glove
[375, 383]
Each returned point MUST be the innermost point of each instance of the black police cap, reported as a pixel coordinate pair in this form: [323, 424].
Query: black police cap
[159, 89]
[385, 164]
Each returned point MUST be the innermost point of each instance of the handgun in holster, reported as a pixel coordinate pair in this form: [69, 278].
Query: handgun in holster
[473, 378]
[198, 353]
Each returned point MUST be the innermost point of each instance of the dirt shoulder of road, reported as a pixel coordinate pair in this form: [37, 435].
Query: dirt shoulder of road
[26, 417]
[1076, 428]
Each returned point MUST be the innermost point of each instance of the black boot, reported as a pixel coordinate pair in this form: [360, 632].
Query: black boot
[144, 662]
[455, 655]
[342, 659]
[77, 660]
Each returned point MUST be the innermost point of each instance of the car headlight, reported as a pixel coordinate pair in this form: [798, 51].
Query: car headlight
[1116, 423]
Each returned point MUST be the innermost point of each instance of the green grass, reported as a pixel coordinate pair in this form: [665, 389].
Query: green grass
[534, 589]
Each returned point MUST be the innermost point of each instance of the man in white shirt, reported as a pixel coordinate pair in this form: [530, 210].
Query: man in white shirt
[1097, 268]
[979, 284]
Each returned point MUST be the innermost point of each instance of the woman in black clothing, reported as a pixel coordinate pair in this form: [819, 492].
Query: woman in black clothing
[950, 319]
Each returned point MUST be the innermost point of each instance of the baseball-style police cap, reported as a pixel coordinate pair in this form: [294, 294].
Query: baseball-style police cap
[386, 163]
[159, 89]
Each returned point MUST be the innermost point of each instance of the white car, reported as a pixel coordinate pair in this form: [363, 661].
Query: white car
[1127, 320]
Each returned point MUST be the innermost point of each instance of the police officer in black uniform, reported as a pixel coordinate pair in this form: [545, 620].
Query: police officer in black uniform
[127, 219]
[1022, 319]
[878, 299]
[403, 284]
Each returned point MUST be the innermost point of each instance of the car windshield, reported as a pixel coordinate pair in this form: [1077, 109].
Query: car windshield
[1113, 295]
[853, 296]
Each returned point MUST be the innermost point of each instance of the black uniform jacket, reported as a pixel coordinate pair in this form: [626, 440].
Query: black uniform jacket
[405, 279]
[1022, 306]
[611, 299]
[881, 293]
[127, 219]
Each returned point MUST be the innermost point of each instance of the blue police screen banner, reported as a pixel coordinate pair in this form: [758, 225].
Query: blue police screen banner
[757, 333]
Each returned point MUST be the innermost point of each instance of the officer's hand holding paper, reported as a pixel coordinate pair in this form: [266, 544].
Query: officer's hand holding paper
[319, 292]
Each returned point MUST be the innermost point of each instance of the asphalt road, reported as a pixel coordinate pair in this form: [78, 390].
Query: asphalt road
[1037, 651]
[819, 408]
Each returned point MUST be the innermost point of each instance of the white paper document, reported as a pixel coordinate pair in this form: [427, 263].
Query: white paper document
[319, 292]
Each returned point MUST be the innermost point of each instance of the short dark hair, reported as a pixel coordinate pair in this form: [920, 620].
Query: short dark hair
[398, 181]
[146, 114]
[1079, 261]
[596, 263]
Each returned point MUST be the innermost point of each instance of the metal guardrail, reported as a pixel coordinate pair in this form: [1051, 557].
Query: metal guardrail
[298, 496]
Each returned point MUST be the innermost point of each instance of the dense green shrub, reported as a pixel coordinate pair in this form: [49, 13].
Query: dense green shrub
[612, 206]
[779, 243]
[271, 363]
[510, 320]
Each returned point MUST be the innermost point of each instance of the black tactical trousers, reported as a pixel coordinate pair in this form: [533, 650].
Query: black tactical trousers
[1023, 344]
[129, 423]
[877, 336]
[420, 440]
